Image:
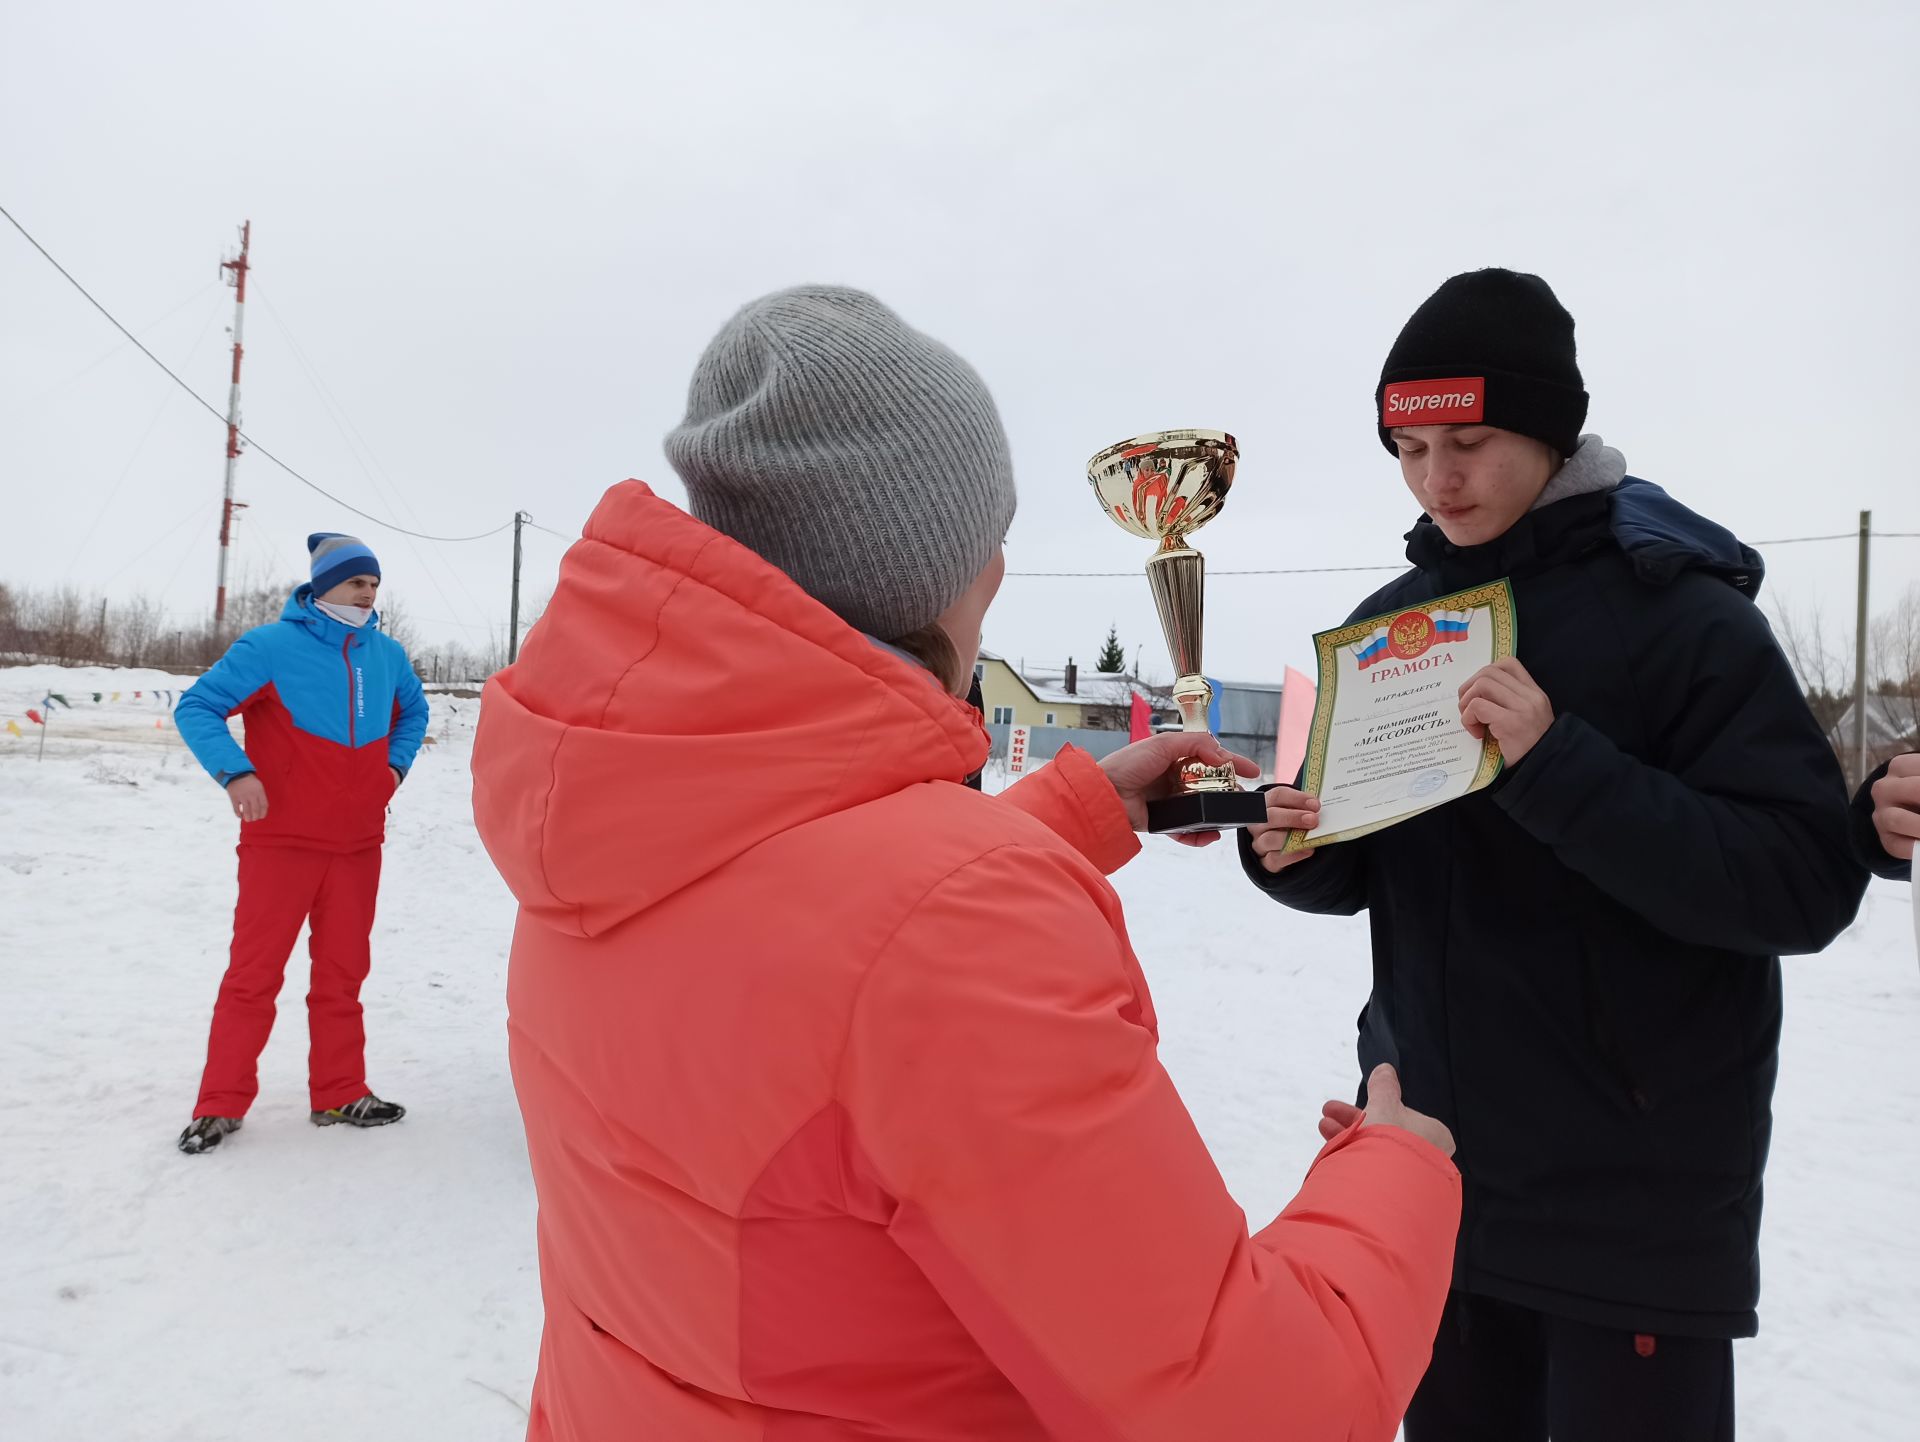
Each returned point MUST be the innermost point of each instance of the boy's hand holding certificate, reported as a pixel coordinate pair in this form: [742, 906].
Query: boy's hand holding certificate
[1396, 728]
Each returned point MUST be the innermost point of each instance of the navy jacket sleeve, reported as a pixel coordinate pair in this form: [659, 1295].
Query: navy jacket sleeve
[1331, 882]
[1738, 837]
[1866, 840]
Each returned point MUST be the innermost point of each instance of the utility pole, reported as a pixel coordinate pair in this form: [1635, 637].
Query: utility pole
[520, 518]
[236, 276]
[1860, 655]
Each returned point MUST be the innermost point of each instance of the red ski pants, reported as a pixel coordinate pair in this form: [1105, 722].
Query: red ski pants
[281, 887]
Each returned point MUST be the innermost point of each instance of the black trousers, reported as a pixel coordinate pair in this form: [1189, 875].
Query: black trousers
[1502, 1373]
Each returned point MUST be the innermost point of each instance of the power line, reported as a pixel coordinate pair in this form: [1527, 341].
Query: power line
[194, 513]
[1288, 571]
[127, 470]
[487, 627]
[551, 532]
[193, 544]
[342, 422]
[1334, 570]
[266, 534]
[505, 525]
[33, 401]
[219, 416]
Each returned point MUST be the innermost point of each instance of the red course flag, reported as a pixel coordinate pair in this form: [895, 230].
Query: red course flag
[1139, 718]
[1296, 722]
[34, 717]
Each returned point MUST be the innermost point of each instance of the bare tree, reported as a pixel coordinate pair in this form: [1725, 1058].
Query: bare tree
[1821, 657]
[72, 628]
[134, 635]
[256, 603]
[397, 623]
[62, 619]
[1896, 663]
[454, 663]
[66, 626]
[10, 639]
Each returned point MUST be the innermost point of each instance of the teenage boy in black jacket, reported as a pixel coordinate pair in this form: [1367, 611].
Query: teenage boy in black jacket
[1577, 968]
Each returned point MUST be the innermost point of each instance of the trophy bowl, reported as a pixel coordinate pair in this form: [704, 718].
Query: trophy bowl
[1165, 484]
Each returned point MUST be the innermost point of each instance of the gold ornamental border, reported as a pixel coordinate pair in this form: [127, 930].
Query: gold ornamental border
[1494, 597]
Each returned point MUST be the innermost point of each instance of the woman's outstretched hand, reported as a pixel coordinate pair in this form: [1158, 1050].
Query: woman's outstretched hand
[1384, 1109]
[1149, 770]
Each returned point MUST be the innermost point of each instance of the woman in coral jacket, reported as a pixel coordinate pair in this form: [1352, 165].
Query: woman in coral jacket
[840, 1079]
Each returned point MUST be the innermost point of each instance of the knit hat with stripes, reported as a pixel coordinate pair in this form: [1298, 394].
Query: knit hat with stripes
[338, 558]
[862, 458]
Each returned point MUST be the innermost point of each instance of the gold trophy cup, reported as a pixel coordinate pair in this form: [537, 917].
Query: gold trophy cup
[1161, 486]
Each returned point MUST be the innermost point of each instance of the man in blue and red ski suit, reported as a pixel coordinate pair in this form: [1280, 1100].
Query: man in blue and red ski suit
[333, 716]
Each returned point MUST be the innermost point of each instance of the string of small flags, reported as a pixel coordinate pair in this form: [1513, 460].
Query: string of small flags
[42, 714]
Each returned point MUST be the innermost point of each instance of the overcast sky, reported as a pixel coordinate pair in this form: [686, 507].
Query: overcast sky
[500, 234]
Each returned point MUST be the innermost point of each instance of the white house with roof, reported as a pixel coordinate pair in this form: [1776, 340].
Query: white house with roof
[1074, 700]
[1893, 726]
[1069, 697]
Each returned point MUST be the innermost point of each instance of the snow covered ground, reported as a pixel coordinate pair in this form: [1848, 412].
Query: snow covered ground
[318, 1284]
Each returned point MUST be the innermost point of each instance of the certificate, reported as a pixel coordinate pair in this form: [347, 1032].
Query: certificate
[1387, 740]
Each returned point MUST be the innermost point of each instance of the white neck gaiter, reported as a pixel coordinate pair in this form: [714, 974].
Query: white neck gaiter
[354, 616]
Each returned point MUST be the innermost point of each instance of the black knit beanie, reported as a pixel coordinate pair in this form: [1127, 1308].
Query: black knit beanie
[1490, 347]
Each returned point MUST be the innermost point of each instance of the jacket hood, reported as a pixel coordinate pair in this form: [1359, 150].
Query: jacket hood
[1665, 538]
[679, 702]
[302, 610]
[1661, 537]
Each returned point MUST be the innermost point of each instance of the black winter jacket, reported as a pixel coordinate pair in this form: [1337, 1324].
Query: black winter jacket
[1576, 969]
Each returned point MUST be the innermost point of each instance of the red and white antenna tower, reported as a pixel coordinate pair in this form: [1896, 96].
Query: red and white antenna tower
[236, 276]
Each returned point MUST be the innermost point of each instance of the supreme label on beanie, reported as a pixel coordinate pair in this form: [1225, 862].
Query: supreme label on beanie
[1459, 401]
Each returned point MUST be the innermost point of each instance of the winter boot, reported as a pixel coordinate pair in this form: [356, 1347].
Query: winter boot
[206, 1133]
[369, 1111]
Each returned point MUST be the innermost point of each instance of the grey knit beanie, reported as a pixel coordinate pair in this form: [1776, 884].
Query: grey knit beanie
[862, 458]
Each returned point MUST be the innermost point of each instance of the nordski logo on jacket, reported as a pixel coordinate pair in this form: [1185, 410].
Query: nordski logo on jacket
[1456, 402]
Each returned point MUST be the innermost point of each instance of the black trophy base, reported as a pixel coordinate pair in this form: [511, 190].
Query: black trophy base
[1206, 811]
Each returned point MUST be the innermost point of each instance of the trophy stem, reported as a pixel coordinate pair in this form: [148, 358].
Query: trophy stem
[1194, 696]
[1177, 575]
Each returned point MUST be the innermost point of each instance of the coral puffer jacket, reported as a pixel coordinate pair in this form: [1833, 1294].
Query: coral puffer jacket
[840, 1080]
